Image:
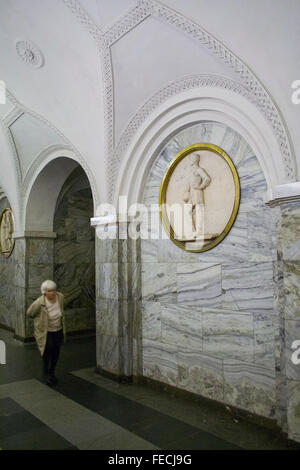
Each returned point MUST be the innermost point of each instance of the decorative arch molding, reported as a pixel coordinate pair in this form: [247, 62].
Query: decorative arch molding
[146, 8]
[47, 158]
[228, 103]
[44, 155]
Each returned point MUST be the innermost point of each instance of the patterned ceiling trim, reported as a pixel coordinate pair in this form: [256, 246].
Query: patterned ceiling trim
[173, 89]
[129, 21]
[145, 8]
[84, 18]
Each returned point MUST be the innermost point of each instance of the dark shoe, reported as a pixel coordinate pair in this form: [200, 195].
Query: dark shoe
[51, 380]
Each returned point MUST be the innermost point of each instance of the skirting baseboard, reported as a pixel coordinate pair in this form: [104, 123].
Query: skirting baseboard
[125, 379]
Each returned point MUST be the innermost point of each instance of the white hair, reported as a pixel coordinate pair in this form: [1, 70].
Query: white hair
[48, 285]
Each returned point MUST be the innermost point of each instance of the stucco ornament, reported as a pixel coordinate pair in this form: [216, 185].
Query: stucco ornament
[6, 230]
[30, 53]
[199, 197]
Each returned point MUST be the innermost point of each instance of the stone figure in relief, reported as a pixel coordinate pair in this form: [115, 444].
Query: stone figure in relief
[194, 200]
[6, 231]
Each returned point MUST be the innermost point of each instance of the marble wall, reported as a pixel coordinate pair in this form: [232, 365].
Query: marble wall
[208, 319]
[118, 299]
[289, 321]
[74, 252]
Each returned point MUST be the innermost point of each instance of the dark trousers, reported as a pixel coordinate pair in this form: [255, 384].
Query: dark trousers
[51, 353]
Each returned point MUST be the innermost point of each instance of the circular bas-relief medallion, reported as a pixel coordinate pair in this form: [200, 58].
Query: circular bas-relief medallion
[199, 197]
[7, 242]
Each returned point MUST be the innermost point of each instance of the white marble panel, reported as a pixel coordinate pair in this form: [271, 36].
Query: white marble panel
[151, 320]
[159, 282]
[291, 285]
[250, 387]
[289, 233]
[160, 362]
[149, 251]
[106, 250]
[107, 317]
[108, 353]
[228, 334]
[253, 184]
[234, 247]
[250, 285]
[199, 284]
[107, 276]
[264, 342]
[167, 251]
[181, 325]
[200, 373]
[262, 235]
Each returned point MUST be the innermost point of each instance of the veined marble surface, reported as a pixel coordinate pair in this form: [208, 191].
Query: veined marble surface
[151, 314]
[289, 232]
[250, 285]
[264, 339]
[249, 386]
[159, 282]
[262, 238]
[181, 325]
[160, 361]
[209, 317]
[200, 373]
[199, 284]
[228, 334]
[291, 285]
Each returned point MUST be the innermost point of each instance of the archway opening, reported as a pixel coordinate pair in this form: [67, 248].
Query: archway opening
[74, 251]
[60, 243]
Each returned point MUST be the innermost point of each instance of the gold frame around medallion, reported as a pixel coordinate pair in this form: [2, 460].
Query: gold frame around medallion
[164, 185]
[6, 254]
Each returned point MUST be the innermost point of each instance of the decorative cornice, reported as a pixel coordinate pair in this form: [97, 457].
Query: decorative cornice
[283, 193]
[30, 53]
[34, 234]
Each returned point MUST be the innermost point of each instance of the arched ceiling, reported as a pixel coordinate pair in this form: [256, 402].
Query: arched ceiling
[75, 84]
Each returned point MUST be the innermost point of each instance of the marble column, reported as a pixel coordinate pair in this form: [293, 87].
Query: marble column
[35, 265]
[118, 301]
[287, 308]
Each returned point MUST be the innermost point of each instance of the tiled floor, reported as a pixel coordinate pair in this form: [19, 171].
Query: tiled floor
[87, 411]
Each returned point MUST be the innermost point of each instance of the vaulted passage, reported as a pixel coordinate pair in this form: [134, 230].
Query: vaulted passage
[74, 251]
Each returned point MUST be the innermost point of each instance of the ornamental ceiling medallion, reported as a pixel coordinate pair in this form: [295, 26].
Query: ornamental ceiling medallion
[30, 53]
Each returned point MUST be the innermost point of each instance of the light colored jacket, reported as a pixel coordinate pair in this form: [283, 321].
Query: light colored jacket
[38, 311]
